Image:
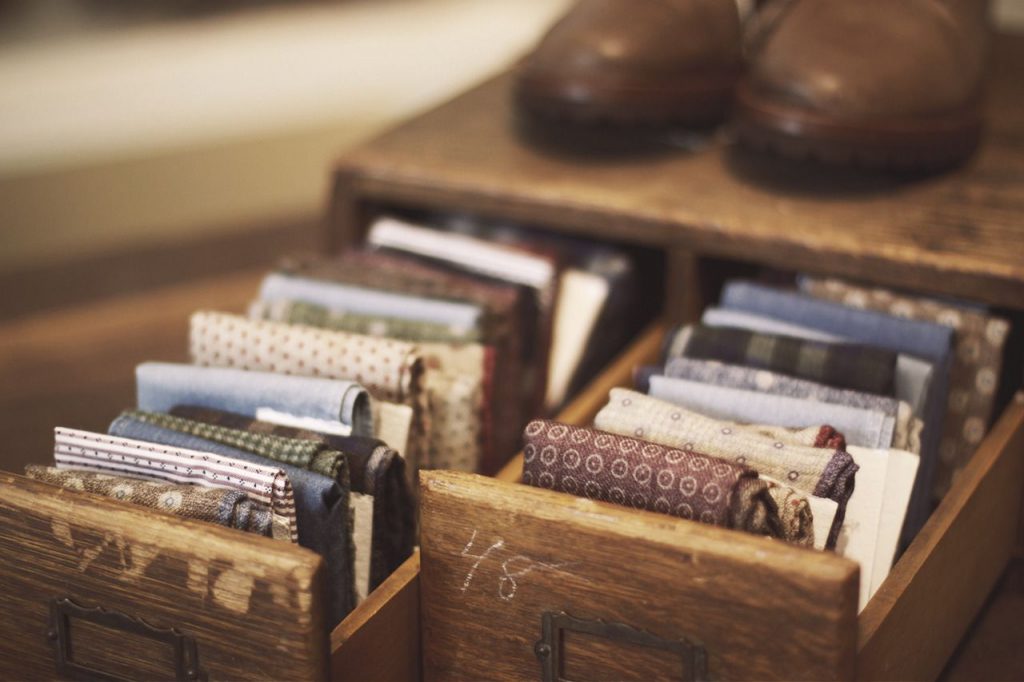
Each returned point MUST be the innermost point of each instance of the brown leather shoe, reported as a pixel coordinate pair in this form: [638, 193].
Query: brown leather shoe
[636, 61]
[879, 83]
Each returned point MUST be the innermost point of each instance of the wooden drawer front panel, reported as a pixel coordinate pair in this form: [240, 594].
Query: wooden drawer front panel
[914, 622]
[133, 594]
[498, 556]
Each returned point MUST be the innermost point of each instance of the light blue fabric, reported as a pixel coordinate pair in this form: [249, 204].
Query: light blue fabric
[867, 428]
[338, 297]
[161, 385]
[925, 340]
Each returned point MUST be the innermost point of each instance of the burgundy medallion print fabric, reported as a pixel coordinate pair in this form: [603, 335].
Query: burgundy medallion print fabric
[631, 472]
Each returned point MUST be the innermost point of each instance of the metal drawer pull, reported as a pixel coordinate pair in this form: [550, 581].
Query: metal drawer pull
[548, 649]
[62, 610]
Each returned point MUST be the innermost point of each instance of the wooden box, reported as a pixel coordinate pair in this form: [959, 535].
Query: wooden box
[706, 209]
[95, 589]
[711, 209]
[500, 557]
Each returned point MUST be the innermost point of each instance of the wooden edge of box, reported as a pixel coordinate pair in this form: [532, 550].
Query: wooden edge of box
[175, 532]
[813, 593]
[224, 588]
[941, 582]
[380, 639]
[618, 521]
[582, 409]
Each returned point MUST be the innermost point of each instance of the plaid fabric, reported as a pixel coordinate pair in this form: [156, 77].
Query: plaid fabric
[842, 365]
[305, 454]
[631, 472]
[978, 340]
[816, 471]
[74, 449]
[231, 508]
[300, 312]
[374, 469]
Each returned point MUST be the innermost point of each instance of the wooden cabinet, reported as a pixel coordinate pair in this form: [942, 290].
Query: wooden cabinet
[706, 208]
[712, 209]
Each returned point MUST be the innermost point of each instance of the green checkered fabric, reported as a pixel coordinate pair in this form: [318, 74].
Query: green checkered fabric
[305, 454]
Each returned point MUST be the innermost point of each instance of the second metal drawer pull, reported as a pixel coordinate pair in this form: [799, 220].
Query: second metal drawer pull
[548, 649]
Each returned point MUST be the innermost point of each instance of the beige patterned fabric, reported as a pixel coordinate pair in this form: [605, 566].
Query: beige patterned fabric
[454, 384]
[390, 370]
[629, 413]
[907, 433]
[974, 375]
[794, 512]
[223, 506]
[817, 471]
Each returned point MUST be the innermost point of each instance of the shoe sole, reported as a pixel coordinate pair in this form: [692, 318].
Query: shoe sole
[930, 144]
[696, 100]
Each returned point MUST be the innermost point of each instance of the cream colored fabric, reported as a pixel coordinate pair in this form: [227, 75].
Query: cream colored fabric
[361, 513]
[900, 471]
[629, 413]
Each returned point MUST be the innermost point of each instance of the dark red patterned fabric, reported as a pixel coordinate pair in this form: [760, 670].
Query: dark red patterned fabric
[636, 473]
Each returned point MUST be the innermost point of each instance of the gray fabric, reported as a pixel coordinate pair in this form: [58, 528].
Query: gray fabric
[925, 340]
[161, 385]
[741, 319]
[867, 428]
[321, 508]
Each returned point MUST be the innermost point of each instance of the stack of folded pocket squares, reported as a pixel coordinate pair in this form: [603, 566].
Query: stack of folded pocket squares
[830, 416]
[307, 419]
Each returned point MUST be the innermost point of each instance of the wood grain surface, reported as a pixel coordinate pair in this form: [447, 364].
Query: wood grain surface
[380, 639]
[250, 603]
[913, 623]
[582, 409]
[957, 233]
[498, 555]
[76, 367]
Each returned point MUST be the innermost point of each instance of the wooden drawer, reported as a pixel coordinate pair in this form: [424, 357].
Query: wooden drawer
[247, 607]
[96, 589]
[760, 609]
[707, 210]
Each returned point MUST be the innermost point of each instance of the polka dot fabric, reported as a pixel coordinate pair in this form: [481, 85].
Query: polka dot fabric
[635, 473]
[816, 471]
[390, 370]
[978, 340]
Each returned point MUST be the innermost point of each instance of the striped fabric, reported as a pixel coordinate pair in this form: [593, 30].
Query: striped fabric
[74, 449]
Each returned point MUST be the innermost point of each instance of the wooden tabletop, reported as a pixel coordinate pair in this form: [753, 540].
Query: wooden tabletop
[960, 233]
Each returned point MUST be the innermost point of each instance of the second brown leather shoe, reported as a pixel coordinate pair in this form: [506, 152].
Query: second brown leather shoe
[636, 61]
[893, 83]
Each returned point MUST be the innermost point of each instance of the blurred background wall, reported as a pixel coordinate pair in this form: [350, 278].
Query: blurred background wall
[147, 143]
